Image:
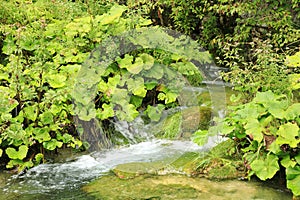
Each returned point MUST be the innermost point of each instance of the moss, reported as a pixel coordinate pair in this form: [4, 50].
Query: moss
[185, 122]
[217, 164]
[169, 187]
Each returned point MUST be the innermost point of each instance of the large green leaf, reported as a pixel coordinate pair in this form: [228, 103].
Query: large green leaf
[42, 134]
[14, 154]
[265, 168]
[200, 137]
[106, 112]
[251, 111]
[126, 61]
[148, 61]
[277, 108]
[156, 72]
[52, 144]
[288, 134]
[46, 117]
[154, 112]
[293, 179]
[287, 162]
[137, 87]
[255, 129]
[266, 97]
[56, 80]
[127, 111]
[114, 13]
[136, 67]
[30, 112]
[293, 111]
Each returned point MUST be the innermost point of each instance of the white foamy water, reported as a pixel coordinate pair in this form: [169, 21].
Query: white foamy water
[47, 178]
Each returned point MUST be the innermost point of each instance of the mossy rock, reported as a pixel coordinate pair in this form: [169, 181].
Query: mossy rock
[181, 187]
[225, 149]
[222, 162]
[185, 164]
[215, 164]
[183, 123]
[222, 169]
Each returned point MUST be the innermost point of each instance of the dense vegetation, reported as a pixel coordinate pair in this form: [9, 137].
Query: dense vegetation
[44, 44]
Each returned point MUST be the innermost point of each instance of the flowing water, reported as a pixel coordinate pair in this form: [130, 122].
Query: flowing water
[64, 180]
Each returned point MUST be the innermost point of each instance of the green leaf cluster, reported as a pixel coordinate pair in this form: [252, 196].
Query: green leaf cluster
[250, 38]
[48, 61]
[267, 128]
[42, 51]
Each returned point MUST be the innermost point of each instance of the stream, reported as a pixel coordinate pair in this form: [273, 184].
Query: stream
[64, 180]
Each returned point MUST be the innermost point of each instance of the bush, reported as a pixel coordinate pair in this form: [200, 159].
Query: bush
[251, 42]
[42, 52]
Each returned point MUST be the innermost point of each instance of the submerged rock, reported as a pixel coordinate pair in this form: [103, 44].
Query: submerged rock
[217, 164]
[185, 164]
[182, 178]
[179, 187]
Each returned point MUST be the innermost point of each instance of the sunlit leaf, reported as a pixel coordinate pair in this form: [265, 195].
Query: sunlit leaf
[30, 112]
[288, 134]
[157, 72]
[46, 117]
[126, 61]
[293, 111]
[293, 179]
[148, 61]
[14, 154]
[251, 111]
[277, 108]
[38, 158]
[294, 60]
[136, 67]
[136, 86]
[114, 13]
[42, 134]
[287, 162]
[294, 80]
[171, 97]
[254, 128]
[154, 112]
[200, 137]
[56, 80]
[265, 168]
[52, 144]
[106, 112]
[266, 97]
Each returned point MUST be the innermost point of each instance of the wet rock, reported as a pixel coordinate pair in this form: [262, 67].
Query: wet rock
[184, 122]
[185, 164]
[217, 164]
[181, 187]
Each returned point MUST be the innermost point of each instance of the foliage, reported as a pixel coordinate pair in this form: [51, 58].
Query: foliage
[145, 77]
[42, 52]
[251, 38]
[267, 130]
